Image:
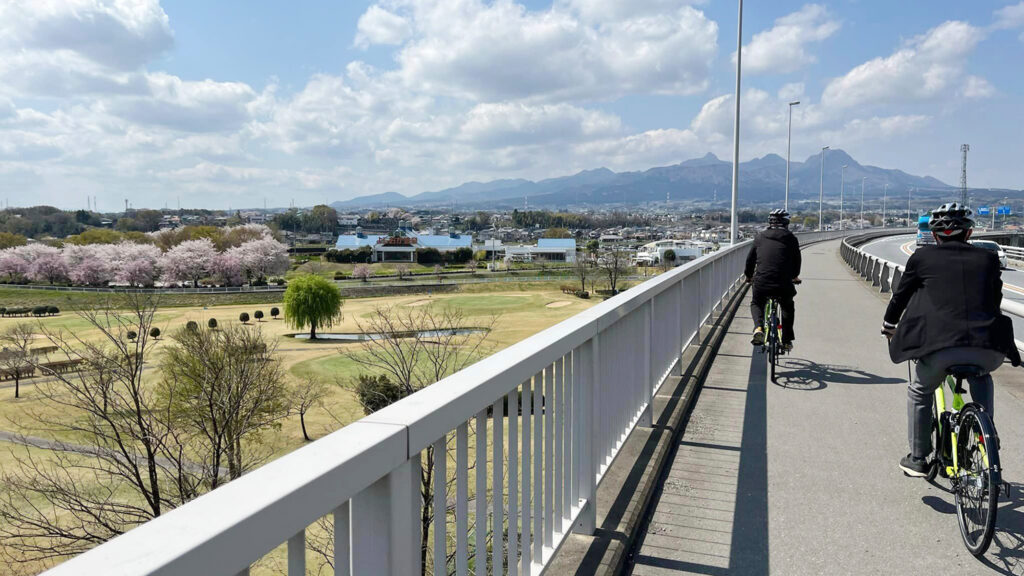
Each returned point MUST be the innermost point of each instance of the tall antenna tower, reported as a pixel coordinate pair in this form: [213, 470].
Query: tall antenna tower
[963, 173]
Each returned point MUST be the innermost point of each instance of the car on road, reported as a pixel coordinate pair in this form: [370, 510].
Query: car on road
[993, 247]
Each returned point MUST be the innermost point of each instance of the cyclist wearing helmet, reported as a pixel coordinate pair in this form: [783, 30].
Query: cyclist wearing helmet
[773, 265]
[945, 312]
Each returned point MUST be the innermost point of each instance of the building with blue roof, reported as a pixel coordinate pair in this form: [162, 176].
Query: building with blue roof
[402, 245]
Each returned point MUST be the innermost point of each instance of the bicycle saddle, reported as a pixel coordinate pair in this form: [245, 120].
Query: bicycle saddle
[965, 371]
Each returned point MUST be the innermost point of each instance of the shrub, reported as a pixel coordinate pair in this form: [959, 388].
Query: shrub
[582, 294]
[192, 326]
[211, 323]
[460, 255]
[376, 392]
[258, 315]
[274, 312]
[340, 275]
[39, 311]
[154, 332]
[52, 310]
[243, 317]
[132, 334]
[427, 256]
[279, 282]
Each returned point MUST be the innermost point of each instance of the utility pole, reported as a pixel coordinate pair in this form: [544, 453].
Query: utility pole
[963, 173]
[821, 191]
[910, 194]
[734, 230]
[842, 192]
[789, 147]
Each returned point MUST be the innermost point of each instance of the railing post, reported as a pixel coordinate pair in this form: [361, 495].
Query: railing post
[586, 478]
[897, 275]
[386, 522]
[884, 279]
[646, 418]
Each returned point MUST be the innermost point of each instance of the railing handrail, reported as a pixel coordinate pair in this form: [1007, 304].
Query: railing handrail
[224, 530]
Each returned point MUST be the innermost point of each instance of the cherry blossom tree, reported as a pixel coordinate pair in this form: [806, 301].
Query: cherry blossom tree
[188, 261]
[262, 258]
[48, 267]
[136, 264]
[227, 269]
[362, 271]
[12, 268]
[89, 265]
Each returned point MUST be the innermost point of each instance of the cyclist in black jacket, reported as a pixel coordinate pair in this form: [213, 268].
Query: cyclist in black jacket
[773, 266]
[945, 312]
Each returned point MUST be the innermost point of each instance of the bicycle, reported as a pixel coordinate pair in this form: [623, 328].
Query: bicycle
[772, 327]
[966, 451]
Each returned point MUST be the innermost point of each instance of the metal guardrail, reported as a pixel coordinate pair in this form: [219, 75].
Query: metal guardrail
[585, 383]
[887, 274]
[1013, 252]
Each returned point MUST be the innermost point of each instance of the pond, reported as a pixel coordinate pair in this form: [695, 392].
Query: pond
[362, 336]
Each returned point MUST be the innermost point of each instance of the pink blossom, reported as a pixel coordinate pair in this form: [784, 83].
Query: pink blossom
[48, 268]
[12, 268]
[362, 271]
[188, 261]
[136, 264]
[227, 269]
[263, 258]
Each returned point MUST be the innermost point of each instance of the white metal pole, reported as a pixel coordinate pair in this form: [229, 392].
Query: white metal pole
[789, 148]
[842, 190]
[734, 226]
[821, 191]
[862, 201]
[885, 197]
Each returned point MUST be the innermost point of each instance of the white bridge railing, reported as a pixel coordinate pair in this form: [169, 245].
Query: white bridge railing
[534, 428]
[887, 274]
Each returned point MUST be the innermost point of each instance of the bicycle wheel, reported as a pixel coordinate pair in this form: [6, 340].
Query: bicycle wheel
[773, 348]
[976, 487]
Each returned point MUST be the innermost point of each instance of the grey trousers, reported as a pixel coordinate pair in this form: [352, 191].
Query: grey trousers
[931, 370]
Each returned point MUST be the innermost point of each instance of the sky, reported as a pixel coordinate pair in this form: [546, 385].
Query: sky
[241, 103]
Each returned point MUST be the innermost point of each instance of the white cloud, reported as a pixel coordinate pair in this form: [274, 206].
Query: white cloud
[378, 26]
[784, 47]
[1009, 17]
[928, 66]
[976, 87]
[501, 51]
[791, 91]
[611, 10]
[205, 106]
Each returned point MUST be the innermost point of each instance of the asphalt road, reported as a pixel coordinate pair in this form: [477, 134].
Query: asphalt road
[899, 248]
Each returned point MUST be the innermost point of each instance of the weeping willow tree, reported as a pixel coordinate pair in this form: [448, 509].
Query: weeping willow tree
[314, 301]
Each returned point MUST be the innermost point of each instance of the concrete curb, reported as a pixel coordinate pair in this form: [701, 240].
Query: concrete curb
[626, 492]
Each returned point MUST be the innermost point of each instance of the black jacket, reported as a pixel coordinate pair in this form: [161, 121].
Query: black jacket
[774, 260]
[949, 296]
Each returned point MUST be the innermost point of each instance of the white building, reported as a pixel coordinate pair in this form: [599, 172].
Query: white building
[653, 253]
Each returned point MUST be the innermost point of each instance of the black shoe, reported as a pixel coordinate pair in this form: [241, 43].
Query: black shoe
[914, 467]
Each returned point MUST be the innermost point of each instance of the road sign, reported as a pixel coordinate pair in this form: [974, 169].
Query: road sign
[1003, 210]
[984, 211]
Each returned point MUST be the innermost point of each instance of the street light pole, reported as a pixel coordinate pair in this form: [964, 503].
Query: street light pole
[862, 202]
[821, 191]
[789, 147]
[885, 196]
[734, 224]
[910, 194]
[842, 192]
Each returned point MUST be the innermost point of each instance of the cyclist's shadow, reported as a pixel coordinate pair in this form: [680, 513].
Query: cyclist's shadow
[800, 374]
[1006, 555]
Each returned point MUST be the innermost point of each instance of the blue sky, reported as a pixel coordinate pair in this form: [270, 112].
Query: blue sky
[229, 103]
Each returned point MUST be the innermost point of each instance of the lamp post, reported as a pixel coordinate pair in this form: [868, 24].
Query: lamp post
[789, 147]
[734, 224]
[842, 191]
[821, 191]
[910, 194]
[885, 196]
[862, 202]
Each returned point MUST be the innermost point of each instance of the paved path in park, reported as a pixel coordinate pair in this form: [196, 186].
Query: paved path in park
[801, 477]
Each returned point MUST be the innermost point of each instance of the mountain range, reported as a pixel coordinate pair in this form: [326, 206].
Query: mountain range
[706, 179]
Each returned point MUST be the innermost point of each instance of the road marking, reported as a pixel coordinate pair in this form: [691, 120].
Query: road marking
[906, 247]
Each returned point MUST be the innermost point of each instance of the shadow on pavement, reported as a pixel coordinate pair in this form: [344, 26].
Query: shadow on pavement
[1006, 555]
[799, 374]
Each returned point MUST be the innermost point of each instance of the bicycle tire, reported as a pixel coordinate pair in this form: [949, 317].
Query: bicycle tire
[773, 346]
[977, 500]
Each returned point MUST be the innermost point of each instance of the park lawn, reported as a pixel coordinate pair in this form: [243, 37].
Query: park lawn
[18, 297]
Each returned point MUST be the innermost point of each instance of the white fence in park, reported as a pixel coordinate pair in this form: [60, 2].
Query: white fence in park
[523, 478]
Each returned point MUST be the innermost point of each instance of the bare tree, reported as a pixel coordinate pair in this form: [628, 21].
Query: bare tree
[615, 264]
[132, 464]
[581, 269]
[417, 347]
[225, 387]
[311, 392]
[14, 354]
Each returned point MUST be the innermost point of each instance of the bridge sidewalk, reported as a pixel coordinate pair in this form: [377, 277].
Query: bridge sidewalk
[800, 477]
